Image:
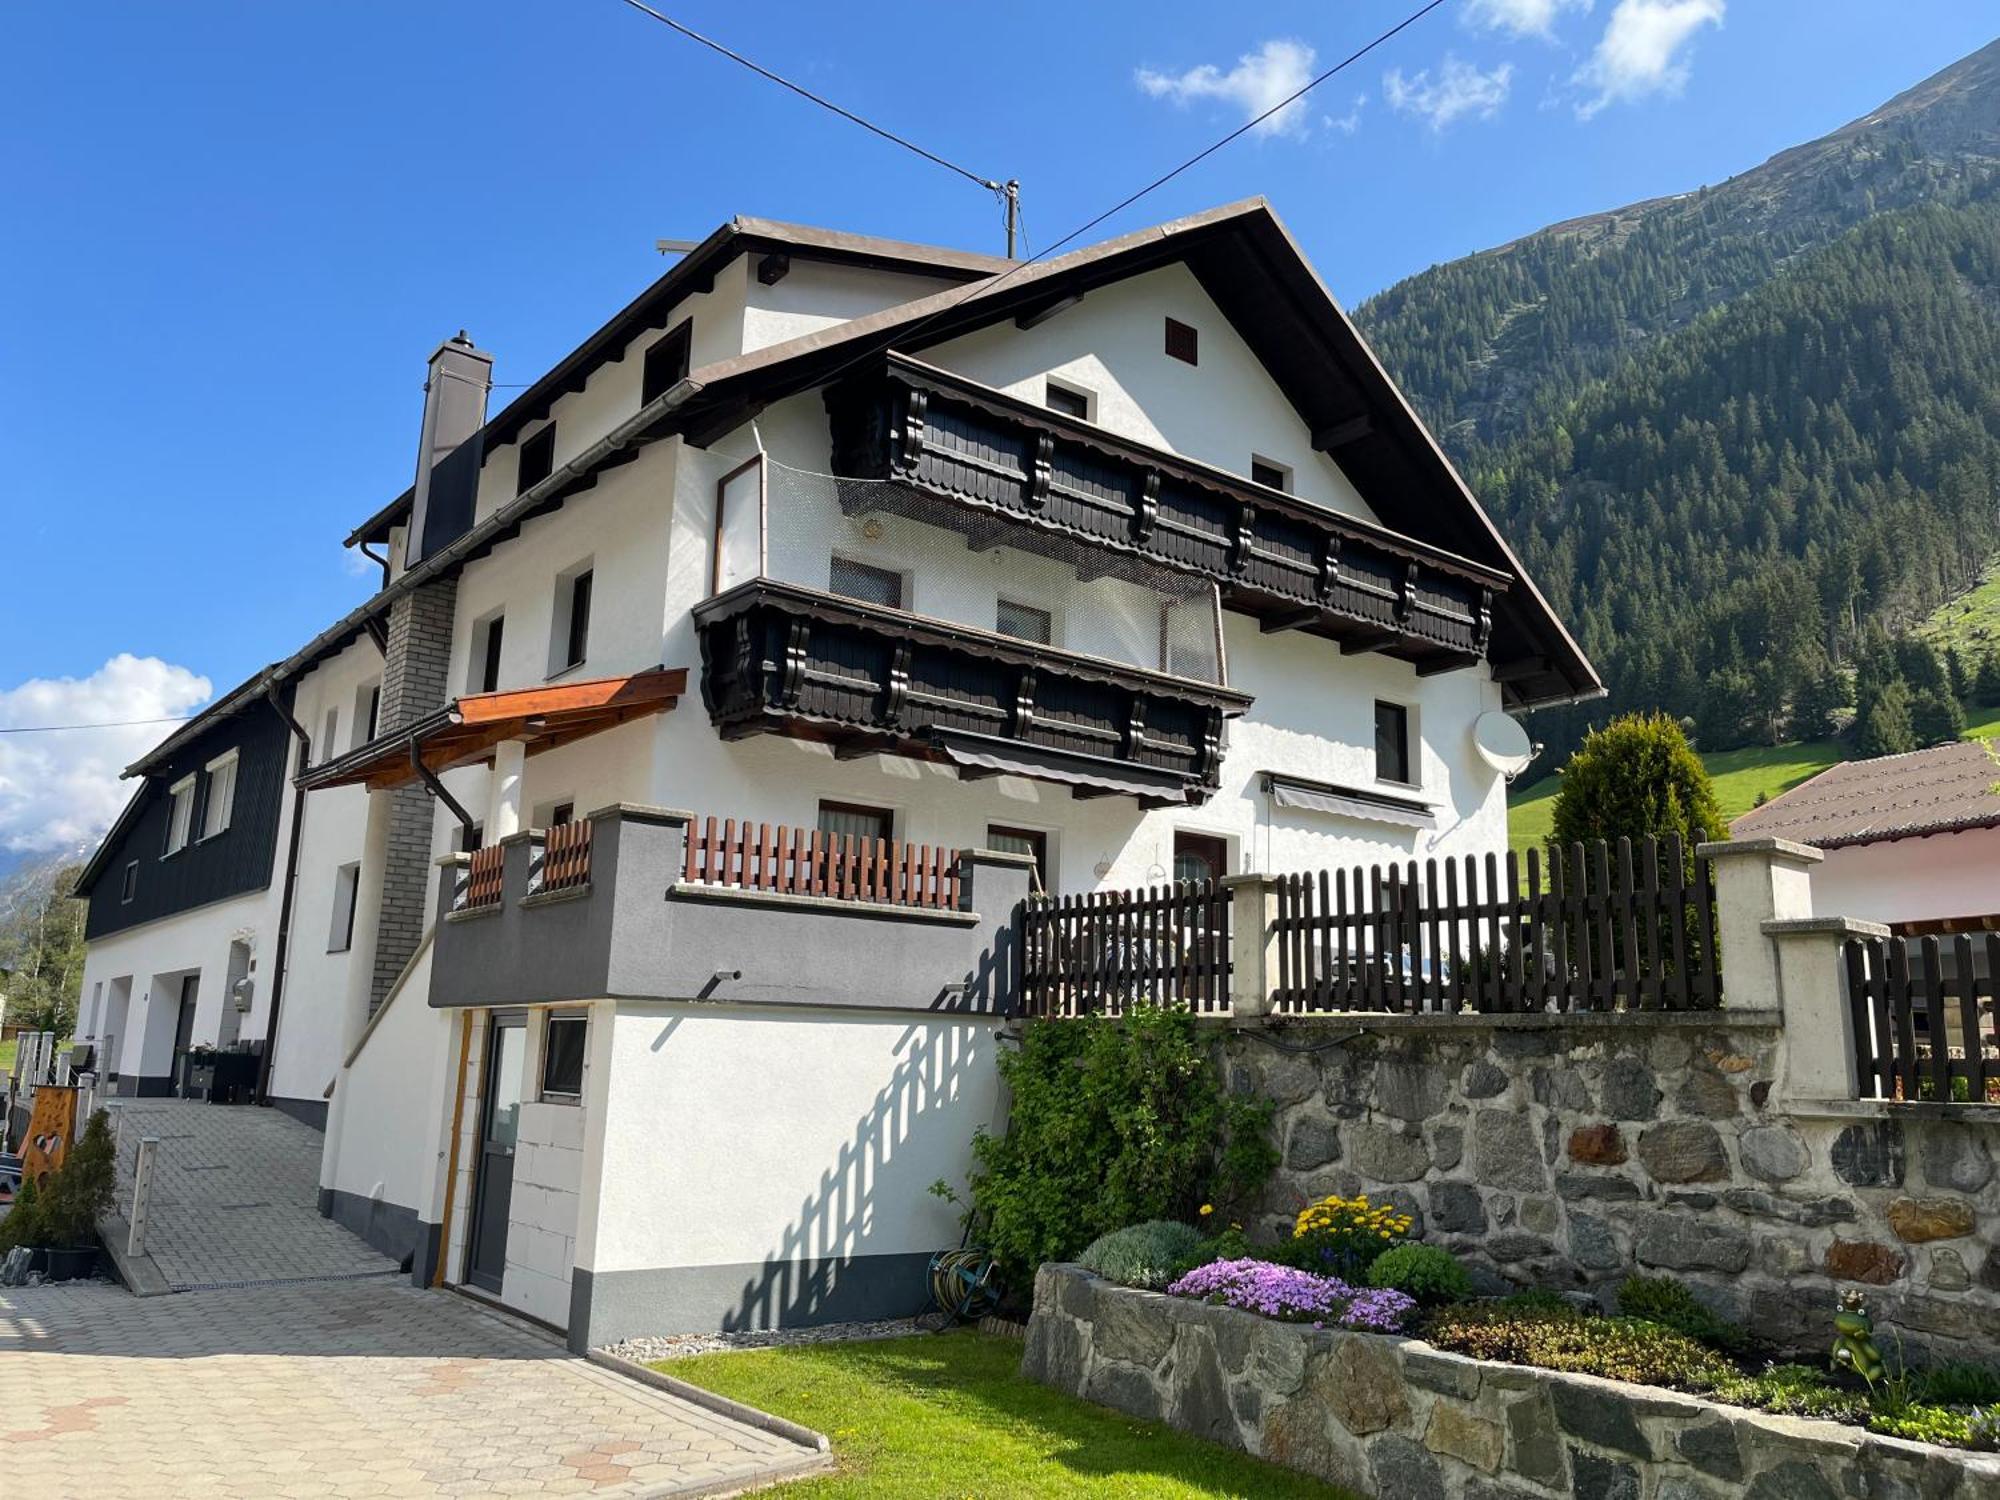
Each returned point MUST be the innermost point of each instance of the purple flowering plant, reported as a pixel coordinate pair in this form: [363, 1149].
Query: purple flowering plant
[1295, 1296]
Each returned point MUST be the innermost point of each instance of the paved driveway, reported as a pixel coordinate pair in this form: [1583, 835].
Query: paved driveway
[335, 1389]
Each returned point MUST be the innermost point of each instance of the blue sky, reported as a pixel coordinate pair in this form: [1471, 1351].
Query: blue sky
[235, 230]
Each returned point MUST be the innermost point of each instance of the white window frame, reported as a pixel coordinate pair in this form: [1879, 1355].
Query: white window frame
[559, 617]
[330, 734]
[180, 814]
[1287, 476]
[224, 765]
[1070, 388]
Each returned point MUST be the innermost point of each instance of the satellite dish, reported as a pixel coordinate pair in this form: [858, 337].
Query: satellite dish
[1502, 743]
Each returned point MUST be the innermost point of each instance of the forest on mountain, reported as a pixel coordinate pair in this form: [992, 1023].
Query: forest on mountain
[1746, 439]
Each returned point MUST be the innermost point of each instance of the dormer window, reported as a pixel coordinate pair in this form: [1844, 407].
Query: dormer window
[180, 814]
[538, 460]
[666, 363]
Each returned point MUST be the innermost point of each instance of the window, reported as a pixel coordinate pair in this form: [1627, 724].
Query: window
[871, 585]
[180, 814]
[367, 713]
[666, 363]
[329, 733]
[1071, 403]
[561, 814]
[1024, 621]
[571, 640]
[1392, 743]
[1029, 841]
[1270, 475]
[1183, 343]
[346, 883]
[538, 460]
[1200, 856]
[219, 800]
[130, 886]
[486, 639]
[471, 840]
[855, 822]
[562, 1057]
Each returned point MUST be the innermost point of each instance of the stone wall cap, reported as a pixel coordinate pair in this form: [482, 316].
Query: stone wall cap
[997, 857]
[1723, 1017]
[834, 906]
[1236, 882]
[1803, 854]
[1892, 1109]
[1834, 926]
[640, 812]
[456, 860]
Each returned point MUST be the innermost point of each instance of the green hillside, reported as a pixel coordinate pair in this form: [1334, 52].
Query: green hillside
[1969, 624]
[1739, 776]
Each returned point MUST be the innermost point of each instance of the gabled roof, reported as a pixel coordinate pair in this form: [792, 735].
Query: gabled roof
[1948, 789]
[695, 272]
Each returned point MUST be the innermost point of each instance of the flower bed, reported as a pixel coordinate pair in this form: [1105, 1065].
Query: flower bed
[1295, 1296]
[1395, 1417]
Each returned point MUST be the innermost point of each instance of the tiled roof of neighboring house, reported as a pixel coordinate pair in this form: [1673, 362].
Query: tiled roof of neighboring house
[1948, 789]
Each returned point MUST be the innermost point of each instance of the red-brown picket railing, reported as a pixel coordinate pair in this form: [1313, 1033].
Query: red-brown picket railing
[1630, 928]
[1924, 1018]
[566, 856]
[1094, 954]
[483, 877]
[805, 862]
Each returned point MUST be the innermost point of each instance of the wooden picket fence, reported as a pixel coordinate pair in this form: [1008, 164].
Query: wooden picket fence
[1924, 1018]
[1613, 928]
[805, 862]
[1095, 954]
[566, 856]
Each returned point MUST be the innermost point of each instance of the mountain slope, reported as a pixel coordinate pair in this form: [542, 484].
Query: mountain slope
[1731, 432]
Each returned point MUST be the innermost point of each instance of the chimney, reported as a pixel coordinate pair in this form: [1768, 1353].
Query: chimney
[448, 480]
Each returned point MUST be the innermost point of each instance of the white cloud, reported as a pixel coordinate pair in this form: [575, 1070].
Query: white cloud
[1459, 90]
[1275, 71]
[1350, 122]
[1643, 51]
[61, 790]
[1519, 17]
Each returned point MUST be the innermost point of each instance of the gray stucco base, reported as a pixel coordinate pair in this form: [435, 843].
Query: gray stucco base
[430, 1240]
[306, 1111]
[137, 1086]
[608, 1306]
[389, 1227]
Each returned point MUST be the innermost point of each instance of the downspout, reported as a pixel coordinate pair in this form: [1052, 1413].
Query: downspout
[279, 958]
[381, 562]
[437, 788]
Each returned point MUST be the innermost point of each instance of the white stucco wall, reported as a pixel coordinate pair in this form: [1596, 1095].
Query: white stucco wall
[1912, 880]
[738, 1137]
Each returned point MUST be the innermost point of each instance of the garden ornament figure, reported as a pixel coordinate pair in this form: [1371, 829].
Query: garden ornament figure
[1854, 1339]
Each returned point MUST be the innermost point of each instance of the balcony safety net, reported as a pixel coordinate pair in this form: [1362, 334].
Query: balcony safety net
[888, 544]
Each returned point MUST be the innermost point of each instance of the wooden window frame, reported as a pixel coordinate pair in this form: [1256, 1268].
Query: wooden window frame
[1183, 342]
[650, 377]
[1037, 837]
[1202, 841]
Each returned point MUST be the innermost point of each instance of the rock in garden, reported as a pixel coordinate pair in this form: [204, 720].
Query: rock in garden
[1597, 1145]
[1863, 1260]
[1772, 1152]
[1919, 1220]
[1684, 1151]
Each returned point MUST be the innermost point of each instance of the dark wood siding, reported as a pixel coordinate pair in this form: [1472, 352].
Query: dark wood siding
[235, 861]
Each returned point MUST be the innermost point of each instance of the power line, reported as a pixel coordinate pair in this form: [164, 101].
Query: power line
[805, 93]
[107, 724]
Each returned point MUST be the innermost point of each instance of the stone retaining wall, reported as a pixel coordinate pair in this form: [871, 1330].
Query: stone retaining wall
[1398, 1420]
[1572, 1151]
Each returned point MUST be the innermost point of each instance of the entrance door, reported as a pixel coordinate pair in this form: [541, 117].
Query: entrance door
[184, 1021]
[499, 1122]
[1199, 856]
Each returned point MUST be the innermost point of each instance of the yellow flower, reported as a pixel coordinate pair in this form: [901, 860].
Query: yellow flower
[1207, 1209]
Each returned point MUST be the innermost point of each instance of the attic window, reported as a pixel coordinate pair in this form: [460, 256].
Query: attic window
[1271, 476]
[130, 886]
[666, 363]
[538, 460]
[1071, 403]
[1183, 343]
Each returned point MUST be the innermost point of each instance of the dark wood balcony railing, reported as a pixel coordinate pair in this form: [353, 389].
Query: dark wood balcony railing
[1293, 564]
[778, 658]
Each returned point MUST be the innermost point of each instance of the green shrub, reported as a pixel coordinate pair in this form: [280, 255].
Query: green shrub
[1113, 1122]
[1920, 1423]
[1616, 1348]
[1960, 1384]
[1662, 1300]
[80, 1191]
[1635, 777]
[1146, 1255]
[1539, 1301]
[1431, 1275]
[24, 1222]
[1795, 1391]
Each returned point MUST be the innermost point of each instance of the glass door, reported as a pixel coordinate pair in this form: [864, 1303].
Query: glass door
[499, 1125]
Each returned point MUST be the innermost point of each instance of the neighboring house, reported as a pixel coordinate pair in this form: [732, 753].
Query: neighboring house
[1910, 840]
[1125, 567]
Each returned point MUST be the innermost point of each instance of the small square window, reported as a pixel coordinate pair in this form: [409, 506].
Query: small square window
[562, 814]
[1271, 476]
[1029, 841]
[562, 1057]
[871, 585]
[666, 363]
[1071, 403]
[130, 886]
[1392, 743]
[538, 460]
[1183, 343]
[1025, 622]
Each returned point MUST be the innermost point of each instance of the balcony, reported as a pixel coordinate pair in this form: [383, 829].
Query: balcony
[781, 658]
[638, 903]
[1291, 564]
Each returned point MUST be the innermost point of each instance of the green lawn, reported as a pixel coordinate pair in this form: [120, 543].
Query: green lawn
[950, 1415]
[7, 1050]
[1970, 622]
